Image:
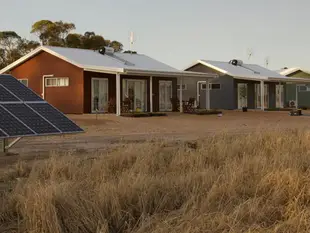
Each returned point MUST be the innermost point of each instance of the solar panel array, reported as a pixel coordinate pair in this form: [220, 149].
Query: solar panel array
[24, 113]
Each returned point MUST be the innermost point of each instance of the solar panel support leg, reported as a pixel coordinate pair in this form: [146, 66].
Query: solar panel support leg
[8, 146]
[3, 145]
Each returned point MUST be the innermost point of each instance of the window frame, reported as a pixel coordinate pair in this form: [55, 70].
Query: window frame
[304, 85]
[57, 81]
[24, 79]
[211, 86]
[203, 86]
[183, 85]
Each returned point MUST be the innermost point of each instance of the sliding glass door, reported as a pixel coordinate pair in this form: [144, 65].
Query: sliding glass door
[165, 95]
[279, 96]
[100, 93]
[258, 96]
[136, 92]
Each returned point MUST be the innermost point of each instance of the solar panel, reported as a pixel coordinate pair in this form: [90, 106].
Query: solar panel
[6, 96]
[24, 113]
[12, 126]
[31, 119]
[18, 89]
[55, 117]
[2, 134]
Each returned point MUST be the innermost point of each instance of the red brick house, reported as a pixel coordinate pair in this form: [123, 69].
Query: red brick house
[84, 81]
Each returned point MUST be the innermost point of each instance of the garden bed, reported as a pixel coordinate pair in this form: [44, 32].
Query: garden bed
[143, 114]
[279, 109]
[205, 112]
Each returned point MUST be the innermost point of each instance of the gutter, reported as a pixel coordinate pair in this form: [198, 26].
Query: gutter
[169, 73]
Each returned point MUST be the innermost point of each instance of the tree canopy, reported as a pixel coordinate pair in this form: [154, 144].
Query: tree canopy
[58, 33]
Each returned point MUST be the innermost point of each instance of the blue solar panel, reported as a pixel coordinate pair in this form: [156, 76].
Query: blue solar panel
[24, 113]
[19, 89]
[12, 126]
[2, 134]
[31, 119]
[55, 117]
[6, 96]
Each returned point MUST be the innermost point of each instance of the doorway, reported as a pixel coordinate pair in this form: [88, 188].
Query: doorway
[279, 96]
[242, 95]
[100, 94]
[165, 95]
[136, 91]
[258, 96]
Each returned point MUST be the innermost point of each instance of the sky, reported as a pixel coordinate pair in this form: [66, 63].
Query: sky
[178, 32]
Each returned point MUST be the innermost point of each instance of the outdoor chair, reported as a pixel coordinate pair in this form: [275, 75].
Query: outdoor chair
[126, 105]
[189, 106]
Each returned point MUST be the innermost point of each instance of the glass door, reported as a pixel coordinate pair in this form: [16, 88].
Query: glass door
[136, 92]
[242, 95]
[165, 95]
[100, 94]
[279, 96]
[258, 96]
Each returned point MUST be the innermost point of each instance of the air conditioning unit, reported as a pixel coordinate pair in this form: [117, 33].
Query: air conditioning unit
[292, 104]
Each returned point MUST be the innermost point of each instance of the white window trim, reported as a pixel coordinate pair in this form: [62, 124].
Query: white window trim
[307, 88]
[203, 88]
[46, 79]
[184, 89]
[24, 79]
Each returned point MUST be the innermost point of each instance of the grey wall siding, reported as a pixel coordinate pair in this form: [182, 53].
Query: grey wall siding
[290, 89]
[221, 99]
[290, 93]
[191, 84]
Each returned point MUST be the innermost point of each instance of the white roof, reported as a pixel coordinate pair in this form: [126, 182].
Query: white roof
[246, 71]
[91, 60]
[292, 70]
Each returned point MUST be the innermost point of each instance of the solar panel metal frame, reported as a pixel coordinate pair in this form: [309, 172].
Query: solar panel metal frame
[20, 101]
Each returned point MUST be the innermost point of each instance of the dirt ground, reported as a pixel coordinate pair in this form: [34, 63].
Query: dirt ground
[109, 131]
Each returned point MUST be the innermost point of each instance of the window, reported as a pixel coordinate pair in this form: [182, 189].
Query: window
[303, 88]
[184, 87]
[215, 86]
[24, 81]
[57, 82]
[212, 86]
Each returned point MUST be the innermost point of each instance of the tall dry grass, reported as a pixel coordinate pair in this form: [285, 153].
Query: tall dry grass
[253, 183]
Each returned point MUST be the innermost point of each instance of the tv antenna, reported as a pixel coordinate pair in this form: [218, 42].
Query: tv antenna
[131, 40]
[267, 59]
[249, 53]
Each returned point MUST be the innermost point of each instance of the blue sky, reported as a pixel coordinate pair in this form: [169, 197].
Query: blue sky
[178, 32]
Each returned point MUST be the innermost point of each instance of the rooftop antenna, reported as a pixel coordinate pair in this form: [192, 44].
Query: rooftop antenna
[249, 53]
[131, 41]
[267, 61]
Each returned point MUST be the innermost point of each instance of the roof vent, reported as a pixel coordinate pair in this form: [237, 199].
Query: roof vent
[236, 62]
[106, 50]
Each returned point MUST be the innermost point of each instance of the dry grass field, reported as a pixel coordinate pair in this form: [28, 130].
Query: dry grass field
[258, 181]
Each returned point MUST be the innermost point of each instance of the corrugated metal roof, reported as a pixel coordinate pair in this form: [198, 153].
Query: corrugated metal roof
[245, 71]
[86, 58]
